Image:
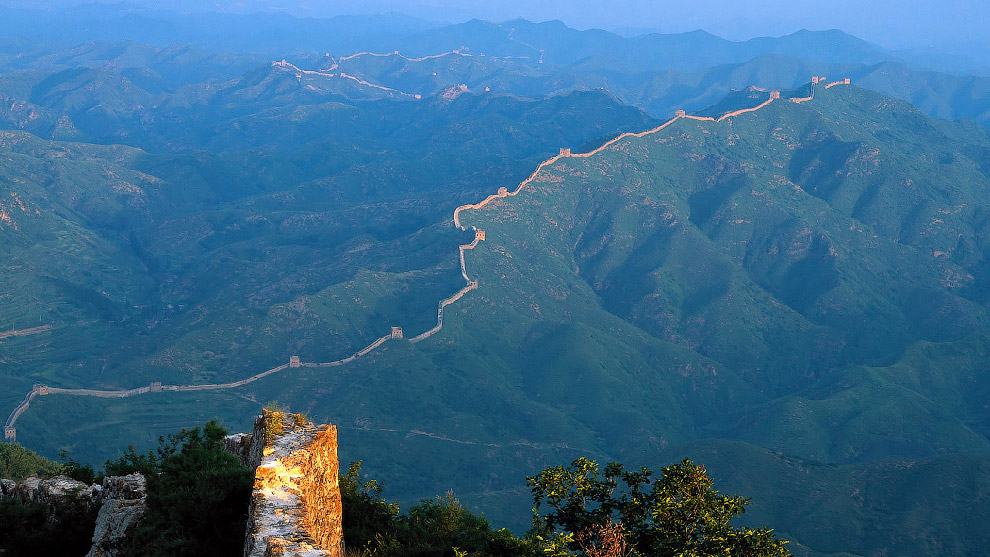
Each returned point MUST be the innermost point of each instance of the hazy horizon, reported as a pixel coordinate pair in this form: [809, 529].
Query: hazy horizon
[947, 25]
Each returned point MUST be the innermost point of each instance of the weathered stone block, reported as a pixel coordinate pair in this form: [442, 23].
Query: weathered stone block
[296, 506]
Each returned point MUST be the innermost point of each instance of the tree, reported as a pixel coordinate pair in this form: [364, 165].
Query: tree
[17, 463]
[439, 527]
[442, 527]
[198, 500]
[679, 513]
[368, 519]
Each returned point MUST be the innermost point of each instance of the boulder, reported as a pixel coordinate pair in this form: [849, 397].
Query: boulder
[239, 445]
[123, 507]
[129, 487]
[62, 490]
[7, 488]
[115, 518]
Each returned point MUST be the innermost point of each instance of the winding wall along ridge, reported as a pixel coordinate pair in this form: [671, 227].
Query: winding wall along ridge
[41, 390]
[300, 72]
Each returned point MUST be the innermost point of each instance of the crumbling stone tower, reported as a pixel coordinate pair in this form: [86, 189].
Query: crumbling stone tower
[296, 504]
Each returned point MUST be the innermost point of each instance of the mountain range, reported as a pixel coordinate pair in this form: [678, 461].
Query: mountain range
[791, 290]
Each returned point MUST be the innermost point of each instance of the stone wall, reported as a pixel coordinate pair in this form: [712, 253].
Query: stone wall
[296, 505]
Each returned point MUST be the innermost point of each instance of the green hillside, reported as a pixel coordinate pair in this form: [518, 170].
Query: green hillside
[794, 296]
[196, 267]
[798, 297]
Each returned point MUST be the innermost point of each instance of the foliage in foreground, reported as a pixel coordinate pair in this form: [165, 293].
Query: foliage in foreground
[619, 512]
[17, 463]
[27, 529]
[198, 495]
[440, 527]
[579, 510]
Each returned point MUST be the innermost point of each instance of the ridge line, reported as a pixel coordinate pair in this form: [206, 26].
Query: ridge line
[42, 390]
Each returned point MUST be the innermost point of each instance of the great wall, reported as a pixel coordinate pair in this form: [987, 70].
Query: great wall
[10, 431]
[335, 64]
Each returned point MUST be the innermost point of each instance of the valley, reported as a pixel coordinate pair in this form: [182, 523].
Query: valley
[10, 431]
[510, 246]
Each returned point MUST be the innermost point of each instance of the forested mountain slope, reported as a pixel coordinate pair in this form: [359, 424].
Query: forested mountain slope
[794, 293]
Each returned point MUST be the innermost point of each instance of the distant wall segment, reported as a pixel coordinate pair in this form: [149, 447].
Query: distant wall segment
[396, 333]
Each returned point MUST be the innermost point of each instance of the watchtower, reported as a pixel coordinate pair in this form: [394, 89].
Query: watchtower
[156, 387]
[294, 361]
[503, 191]
[816, 79]
[472, 284]
[565, 152]
[396, 332]
[845, 81]
[40, 389]
[479, 235]
[10, 433]
[680, 113]
[774, 95]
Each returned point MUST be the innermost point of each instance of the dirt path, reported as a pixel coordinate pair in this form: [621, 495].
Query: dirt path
[25, 332]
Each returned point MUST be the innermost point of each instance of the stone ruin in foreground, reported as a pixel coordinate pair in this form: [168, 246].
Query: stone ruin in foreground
[295, 505]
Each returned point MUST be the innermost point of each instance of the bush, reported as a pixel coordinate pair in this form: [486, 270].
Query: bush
[25, 528]
[441, 527]
[679, 513]
[17, 463]
[197, 502]
[368, 519]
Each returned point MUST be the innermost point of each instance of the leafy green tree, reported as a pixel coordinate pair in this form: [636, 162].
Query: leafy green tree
[442, 527]
[198, 502]
[148, 464]
[368, 519]
[17, 463]
[84, 473]
[678, 514]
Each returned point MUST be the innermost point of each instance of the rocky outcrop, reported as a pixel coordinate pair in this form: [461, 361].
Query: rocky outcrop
[7, 488]
[295, 506]
[121, 500]
[239, 445]
[56, 492]
[123, 506]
